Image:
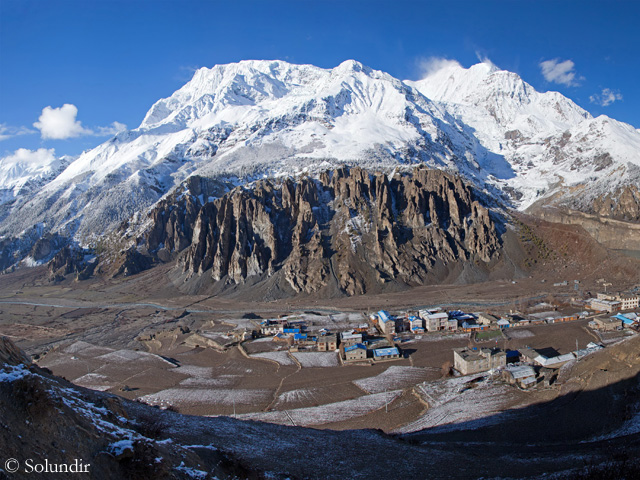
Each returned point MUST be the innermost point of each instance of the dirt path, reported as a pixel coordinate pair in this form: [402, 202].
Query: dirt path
[277, 391]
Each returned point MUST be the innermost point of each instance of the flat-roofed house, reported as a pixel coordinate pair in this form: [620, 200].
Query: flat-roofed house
[386, 353]
[607, 324]
[487, 319]
[605, 305]
[436, 321]
[386, 323]
[355, 352]
[468, 361]
[350, 338]
[328, 343]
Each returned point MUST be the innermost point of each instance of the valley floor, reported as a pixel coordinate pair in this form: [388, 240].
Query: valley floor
[178, 351]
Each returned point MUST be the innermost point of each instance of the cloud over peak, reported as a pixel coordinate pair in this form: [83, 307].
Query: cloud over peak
[564, 73]
[60, 123]
[25, 156]
[606, 98]
[431, 65]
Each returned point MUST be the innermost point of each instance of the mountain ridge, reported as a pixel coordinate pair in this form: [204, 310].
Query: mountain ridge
[241, 122]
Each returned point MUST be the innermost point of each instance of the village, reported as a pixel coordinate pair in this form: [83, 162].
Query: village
[384, 336]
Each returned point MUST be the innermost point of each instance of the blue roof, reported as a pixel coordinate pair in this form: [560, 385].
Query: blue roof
[291, 330]
[384, 316]
[353, 347]
[385, 352]
[625, 320]
[300, 336]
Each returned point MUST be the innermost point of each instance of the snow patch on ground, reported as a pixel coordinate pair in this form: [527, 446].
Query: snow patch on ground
[195, 371]
[94, 381]
[392, 378]
[126, 356]
[14, 373]
[472, 398]
[332, 412]
[519, 333]
[283, 358]
[85, 348]
[317, 359]
[221, 381]
[120, 447]
[202, 396]
[192, 472]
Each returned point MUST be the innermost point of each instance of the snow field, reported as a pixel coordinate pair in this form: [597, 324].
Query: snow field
[126, 356]
[332, 412]
[455, 401]
[519, 333]
[392, 378]
[317, 359]
[94, 381]
[201, 396]
[283, 358]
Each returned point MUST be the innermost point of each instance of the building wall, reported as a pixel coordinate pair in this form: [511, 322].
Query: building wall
[356, 354]
[388, 327]
[327, 346]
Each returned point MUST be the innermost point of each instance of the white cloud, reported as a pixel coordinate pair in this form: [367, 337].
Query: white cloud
[113, 129]
[606, 98]
[41, 156]
[60, 123]
[431, 65]
[556, 71]
[7, 131]
[484, 59]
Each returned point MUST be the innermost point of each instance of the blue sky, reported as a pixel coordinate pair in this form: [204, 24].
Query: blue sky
[111, 60]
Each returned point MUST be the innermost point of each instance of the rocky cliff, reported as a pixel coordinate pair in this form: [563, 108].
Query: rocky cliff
[347, 229]
[622, 204]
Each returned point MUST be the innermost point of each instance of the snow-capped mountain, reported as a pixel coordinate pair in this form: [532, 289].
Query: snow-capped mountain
[549, 141]
[242, 121]
[251, 119]
[26, 170]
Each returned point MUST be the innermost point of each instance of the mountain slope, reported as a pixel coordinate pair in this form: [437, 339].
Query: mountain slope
[559, 152]
[237, 123]
[245, 120]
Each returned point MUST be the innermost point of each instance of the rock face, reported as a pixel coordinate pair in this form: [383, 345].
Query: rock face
[348, 227]
[12, 355]
[623, 204]
[70, 261]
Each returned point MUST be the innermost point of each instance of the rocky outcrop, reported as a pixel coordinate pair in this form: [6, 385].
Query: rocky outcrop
[623, 204]
[68, 261]
[347, 227]
[12, 355]
[132, 262]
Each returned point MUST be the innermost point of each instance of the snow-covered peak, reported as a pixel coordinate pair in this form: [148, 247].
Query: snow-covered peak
[254, 82]
[502, 95]
[256, 118]
[26, 168]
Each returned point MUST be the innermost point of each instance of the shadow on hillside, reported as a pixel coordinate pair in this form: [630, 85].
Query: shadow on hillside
[575, 417]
